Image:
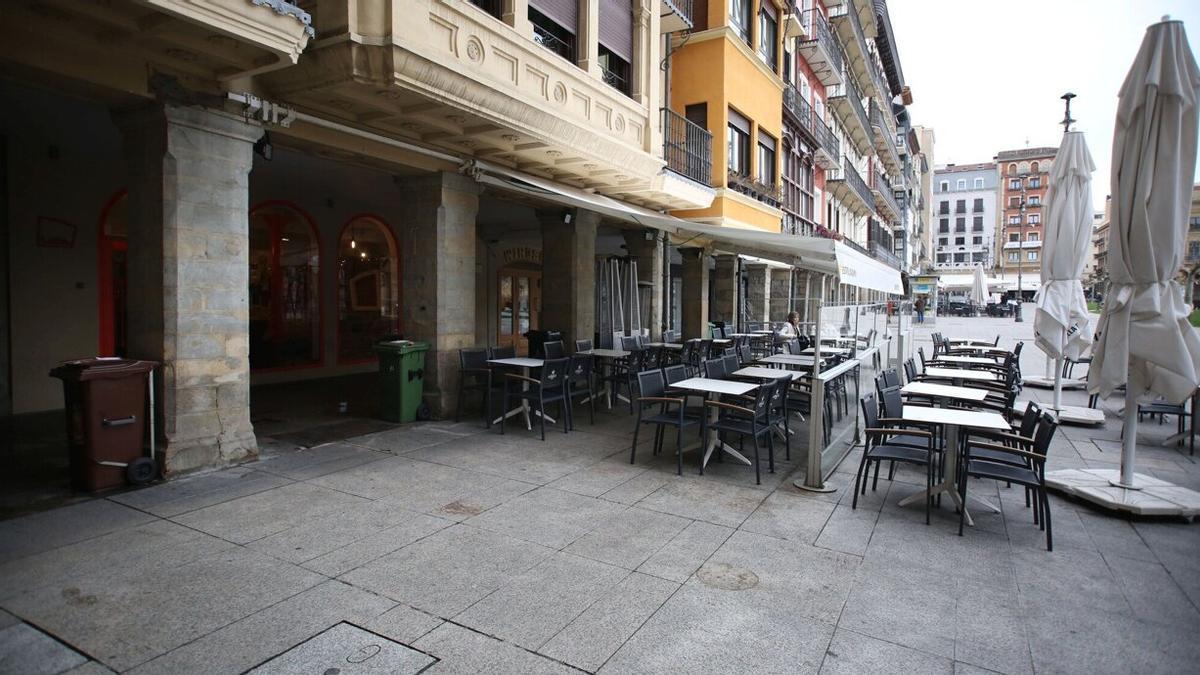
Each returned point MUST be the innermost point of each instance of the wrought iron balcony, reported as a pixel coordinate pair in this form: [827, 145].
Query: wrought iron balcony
[800, 111]
[821, 49]
[884, 137]
[882, 253]
[885, 201]
[793, 24]
[849, 188]
[828, 149]
[846, 101]
[676, 16]
[770, 195]
[687, 147]
[845, 23]
[552, 42]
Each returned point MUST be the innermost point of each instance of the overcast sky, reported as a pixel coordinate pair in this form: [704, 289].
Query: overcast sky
[987, 75]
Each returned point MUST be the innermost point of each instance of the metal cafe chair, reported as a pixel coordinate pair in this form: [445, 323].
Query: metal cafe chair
[474, 377]
[879, 448]
[751, 419]
[581, 382]
[671, 413]
[551, 387]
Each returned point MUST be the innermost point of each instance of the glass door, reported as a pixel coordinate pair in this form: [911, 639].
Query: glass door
[519, 304]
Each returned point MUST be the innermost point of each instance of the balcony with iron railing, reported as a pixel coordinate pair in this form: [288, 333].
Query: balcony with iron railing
[884, 138]
[770, 195]
[848, 187]
[846, 25]
[885, 201]
[821, 49]
[687, 147]
[676, 16]
[846, 102]
[800, 112]
[828, 150]
[793, 21]
[883, 253]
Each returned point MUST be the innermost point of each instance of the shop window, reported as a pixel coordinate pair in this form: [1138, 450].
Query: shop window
[368, 287]
[284, 294]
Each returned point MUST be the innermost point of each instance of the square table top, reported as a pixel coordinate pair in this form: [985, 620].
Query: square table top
[711, 386]
[767, 373]
[664, 345]
[607, 353]
[788, 360]
[960, 374]
[973, 343]
[955, 416]
[944, 391]
[968, 359]
[828, 350]
[518, 362]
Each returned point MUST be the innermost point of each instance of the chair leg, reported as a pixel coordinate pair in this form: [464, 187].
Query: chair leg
[858, 479]
[962, 495]
[757, 473]
[637, 427]
[704, 434]
[875, 482]
[770, 450]
[458, 402]
[487, 408]
[542, 409]
[564, 409]
[679, 449]
[504, 413]
[592, 400]
[1046, 518]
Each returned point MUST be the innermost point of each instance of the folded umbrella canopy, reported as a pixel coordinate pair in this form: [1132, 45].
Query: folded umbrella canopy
[979, 288]
[1060, 326]
[1145, 339]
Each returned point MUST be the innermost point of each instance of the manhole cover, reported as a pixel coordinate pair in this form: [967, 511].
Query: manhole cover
[347, 650]
[727, 577]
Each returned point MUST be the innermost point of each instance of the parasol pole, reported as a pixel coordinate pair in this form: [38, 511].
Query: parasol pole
[1128, 438]
[1066, 123]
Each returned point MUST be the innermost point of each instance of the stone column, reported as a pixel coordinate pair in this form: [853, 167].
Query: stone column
[781, 293]
[569, 273]
[649, 256]
[694, 300]
[758, 291]
[725, 290]
[587, 56]
[188, 277]
[438, 269]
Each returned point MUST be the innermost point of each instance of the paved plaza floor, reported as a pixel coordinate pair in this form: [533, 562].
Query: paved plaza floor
[454, 549]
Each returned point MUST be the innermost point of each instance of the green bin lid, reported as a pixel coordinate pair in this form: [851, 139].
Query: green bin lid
[401, 346]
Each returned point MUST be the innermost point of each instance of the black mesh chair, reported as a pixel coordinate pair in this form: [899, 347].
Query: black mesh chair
[1031, 475]
[878, 448]
[583, 345]
[752, 419]
[671, 413]
[714, 369]
[508, 352]
[551, 387]
[581, 382]
[690, 356]
[744, 354]
[474, 376]
[779, 414]
[554, 350]
[624, 374]
[629, 343]
[732, 363]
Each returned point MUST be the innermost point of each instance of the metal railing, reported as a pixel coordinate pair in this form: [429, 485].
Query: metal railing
[886, 131]
[881, 253]
[884, 188]
[855, 181]
[684, 9]
[816, 27]
[799, 108]
[552, 42]
[825, 138]
[615, 80]
[767, 194]
[687, 147]
[846, 10]
[850, 92]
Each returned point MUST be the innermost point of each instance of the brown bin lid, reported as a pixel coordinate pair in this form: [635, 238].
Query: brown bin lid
[101, 368]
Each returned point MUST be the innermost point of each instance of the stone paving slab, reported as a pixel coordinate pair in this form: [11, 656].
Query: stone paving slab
[351, 650]
[27, 650]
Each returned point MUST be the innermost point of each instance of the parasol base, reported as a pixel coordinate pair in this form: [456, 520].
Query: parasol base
[1048, 382]
[1067, 414]
[1151, 497]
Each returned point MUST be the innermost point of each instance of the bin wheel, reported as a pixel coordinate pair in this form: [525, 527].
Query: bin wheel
[141, 471]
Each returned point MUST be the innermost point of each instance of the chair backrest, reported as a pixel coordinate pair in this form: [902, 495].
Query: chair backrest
[581, 368]
[636, 361]
[802, 342]
[1047, 425]
[910, 369]
[675, 373]
[762, 400]
[731, 363]
[706, 345]
[870, 411]
[629, 343]
[779, 396]
[650, 383]
[893, 402]
[997, 342]
[503, 352]
[472, 357]
[793, 347]
[891, 378]
[669, 336]
[714, 369]
[554, 350]
[744, 354]
[554, 373]
[1029, 420]
[921, 353]
[583, 345]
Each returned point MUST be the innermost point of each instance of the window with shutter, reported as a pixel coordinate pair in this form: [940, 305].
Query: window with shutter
[555, 24]
[616, 43]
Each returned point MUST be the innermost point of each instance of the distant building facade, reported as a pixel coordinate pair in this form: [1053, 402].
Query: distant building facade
[965, 216]
[1024, 177]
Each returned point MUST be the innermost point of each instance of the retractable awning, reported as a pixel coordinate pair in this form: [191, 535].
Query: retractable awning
[813, 253]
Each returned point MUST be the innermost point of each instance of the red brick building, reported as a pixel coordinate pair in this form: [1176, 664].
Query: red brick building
[1024, 176]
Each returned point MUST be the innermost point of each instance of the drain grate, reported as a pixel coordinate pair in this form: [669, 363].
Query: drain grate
[346, 649]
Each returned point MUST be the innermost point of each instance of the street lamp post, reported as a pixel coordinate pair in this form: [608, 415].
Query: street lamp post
[1021, 251]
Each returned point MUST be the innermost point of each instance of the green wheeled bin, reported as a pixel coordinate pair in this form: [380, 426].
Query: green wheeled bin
[402, 379]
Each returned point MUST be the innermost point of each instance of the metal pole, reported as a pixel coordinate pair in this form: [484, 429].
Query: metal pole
[1129, 440]
[813, 481]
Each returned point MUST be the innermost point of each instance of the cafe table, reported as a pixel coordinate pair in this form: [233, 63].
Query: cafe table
[710, 387]
[960, 374]
[607, 356]
[969, 360]
[766, 373]
[787, 360]
[525, 364]
[951, 420]
[676, 346]
[972, 343]
[832, 351]
[944, 391]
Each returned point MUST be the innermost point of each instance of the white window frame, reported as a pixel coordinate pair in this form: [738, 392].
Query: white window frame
[978, 183]
[945, 186]
[960, 184]
[1031, 256]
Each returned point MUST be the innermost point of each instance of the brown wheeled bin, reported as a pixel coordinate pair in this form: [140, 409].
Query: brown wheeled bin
[106, 421]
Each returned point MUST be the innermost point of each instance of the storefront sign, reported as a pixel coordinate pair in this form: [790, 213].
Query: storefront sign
[522, 254]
